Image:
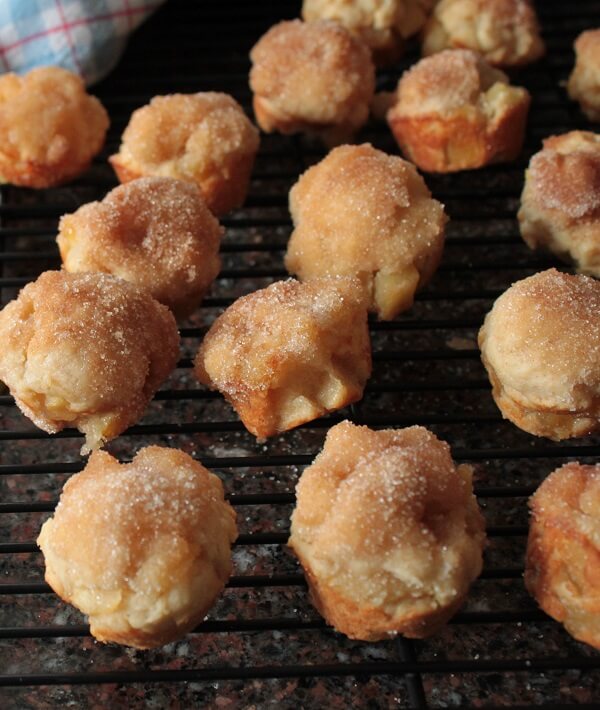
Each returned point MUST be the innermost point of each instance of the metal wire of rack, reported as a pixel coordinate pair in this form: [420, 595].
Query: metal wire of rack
[263, 644]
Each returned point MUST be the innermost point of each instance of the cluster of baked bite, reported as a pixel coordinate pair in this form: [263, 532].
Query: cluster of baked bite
[386, 525]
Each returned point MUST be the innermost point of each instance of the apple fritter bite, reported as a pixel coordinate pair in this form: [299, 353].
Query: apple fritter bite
[313, 77]
[155, 232]
[289, 353]
[143, 548]
[453, 111]
[384, 25]
[86, 351]
[562, 569]
[540, 344]
[363, 213]
[505, 32]
[584, 82]
[50, 127]
[560, 203]
[204, 138]
[388, 532]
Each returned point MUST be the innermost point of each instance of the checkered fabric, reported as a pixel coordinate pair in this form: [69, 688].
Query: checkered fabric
[85, 36]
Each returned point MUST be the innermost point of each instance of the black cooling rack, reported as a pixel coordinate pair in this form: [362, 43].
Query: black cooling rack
[263, 644]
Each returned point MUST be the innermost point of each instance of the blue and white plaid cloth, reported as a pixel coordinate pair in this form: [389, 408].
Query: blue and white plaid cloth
[85, 36]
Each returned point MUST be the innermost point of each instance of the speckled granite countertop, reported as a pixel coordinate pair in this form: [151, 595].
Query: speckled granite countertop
[263, 644]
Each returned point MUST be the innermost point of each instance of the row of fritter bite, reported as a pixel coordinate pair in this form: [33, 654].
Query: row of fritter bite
[451, 111]
[386, 527]
[88, 346]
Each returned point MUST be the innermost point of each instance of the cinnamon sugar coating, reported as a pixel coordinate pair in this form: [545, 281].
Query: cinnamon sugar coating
[86, 351]
[50, 128]
[560, 204]
[203, 138]
[383, 25]
[505, 32]
[155, 232]
[388, 532]
[289, 353]
[562, 570]
[584, 82]
[361, 212]
[314, 77]
[142, 548]
[540, 344]
[453, 111]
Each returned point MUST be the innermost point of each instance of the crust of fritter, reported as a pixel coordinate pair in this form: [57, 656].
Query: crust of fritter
[123, 171]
